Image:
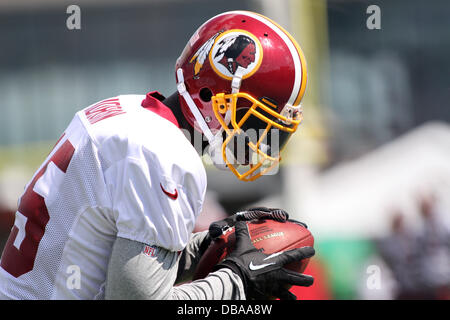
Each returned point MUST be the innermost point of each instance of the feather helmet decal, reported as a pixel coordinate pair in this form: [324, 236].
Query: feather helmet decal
[200, 56]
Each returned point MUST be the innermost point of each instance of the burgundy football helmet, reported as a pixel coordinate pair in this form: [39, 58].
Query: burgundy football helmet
[241, 71]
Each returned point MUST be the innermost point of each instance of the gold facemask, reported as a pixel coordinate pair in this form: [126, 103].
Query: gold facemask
[263, 161]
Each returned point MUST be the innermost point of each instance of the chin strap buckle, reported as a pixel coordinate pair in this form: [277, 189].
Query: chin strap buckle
[181, 87]
[237, 80]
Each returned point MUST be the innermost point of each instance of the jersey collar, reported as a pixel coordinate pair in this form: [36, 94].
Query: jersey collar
[153, 102]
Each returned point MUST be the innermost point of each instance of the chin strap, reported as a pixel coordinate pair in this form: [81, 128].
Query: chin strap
[215, 141]
[237, 80]
[181, 87]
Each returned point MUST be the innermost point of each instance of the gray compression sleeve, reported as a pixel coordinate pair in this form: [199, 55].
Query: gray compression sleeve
[132, 274]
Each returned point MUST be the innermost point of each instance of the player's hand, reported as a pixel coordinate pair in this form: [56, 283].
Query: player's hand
[263, 275]
[217, 228]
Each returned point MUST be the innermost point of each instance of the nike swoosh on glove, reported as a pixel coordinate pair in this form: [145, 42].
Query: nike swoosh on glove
[263, 275]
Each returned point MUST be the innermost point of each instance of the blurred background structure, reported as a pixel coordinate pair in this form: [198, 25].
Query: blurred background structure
[368, 171]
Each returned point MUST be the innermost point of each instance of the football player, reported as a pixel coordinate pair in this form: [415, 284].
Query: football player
[110, 212]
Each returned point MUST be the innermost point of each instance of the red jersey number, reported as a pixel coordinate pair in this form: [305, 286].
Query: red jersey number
[31, 219]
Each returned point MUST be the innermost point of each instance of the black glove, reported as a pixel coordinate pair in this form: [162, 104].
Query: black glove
[217, 228]
[263, 275]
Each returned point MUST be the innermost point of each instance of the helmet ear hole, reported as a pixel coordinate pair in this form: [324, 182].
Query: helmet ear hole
[205, 94]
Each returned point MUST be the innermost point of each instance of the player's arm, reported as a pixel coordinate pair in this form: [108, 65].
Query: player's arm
[190, 256]
[133, 274]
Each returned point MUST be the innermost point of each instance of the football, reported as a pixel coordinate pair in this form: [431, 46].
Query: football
[269, 235]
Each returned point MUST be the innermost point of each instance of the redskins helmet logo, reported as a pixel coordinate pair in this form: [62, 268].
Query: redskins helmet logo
[227, 51]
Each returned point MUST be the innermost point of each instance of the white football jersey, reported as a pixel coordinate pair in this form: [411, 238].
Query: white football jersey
[119, 170]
